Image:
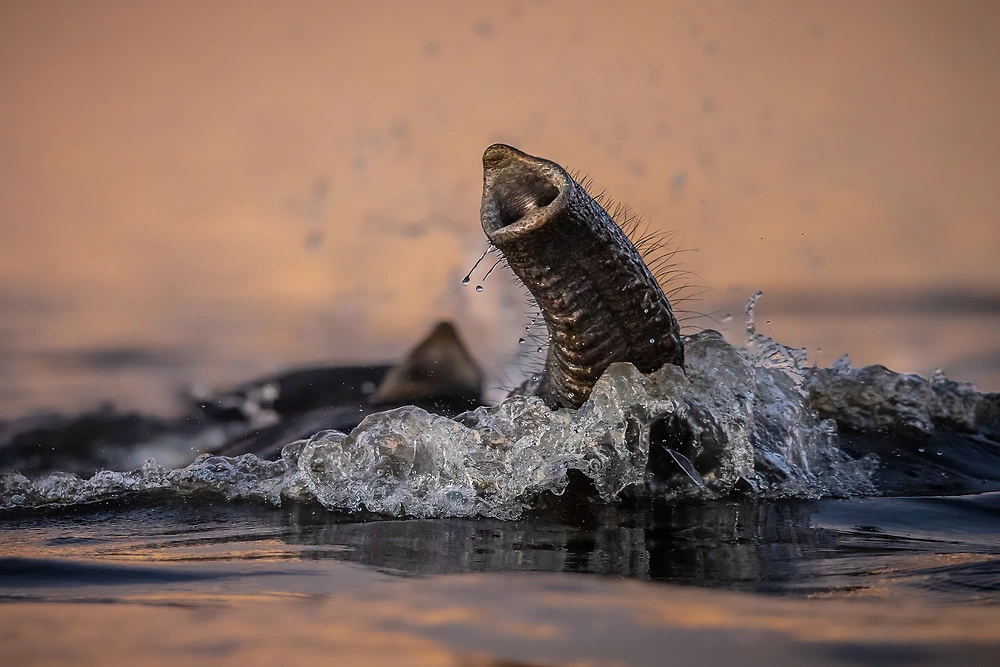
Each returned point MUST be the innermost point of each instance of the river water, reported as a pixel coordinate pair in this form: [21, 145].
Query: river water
[888, 580]
[196, 196]
[518, 535]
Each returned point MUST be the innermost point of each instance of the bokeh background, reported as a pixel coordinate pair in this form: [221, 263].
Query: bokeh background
[205, 191]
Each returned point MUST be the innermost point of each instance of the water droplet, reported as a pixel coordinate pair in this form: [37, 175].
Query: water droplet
[539, 348]
[645, 310]
[479, 288]
[527, 328]
[520, 341]
[492, 267]
[922, 450]
[468, 276]
[728, 317]
[768, 321]
[652, 340]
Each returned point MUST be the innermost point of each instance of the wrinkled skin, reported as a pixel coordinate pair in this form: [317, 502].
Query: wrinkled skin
[600, 302]
[602, 305]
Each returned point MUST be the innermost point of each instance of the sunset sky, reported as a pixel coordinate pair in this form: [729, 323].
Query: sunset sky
[233, 187]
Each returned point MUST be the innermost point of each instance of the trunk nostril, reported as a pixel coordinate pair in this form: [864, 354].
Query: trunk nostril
[518, 191]
[515, 185]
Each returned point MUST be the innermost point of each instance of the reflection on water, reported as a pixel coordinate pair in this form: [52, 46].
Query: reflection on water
[907, 548]
[187, 582]
[489, 620]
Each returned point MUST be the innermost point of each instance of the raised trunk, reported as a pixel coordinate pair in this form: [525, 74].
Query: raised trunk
[599, 300]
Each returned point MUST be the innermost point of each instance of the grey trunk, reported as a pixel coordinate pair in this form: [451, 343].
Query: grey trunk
[599, 300]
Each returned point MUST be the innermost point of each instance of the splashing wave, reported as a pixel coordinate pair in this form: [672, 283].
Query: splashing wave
[735, 419]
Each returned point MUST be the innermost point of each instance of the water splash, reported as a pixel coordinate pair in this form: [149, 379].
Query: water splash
[746, 423]
[405, 462]
[770, 354]
[755, 419]
[468, 276]
[874, 399]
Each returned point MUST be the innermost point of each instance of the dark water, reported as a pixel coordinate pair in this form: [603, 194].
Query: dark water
[940, 548]
[898, 580]
[823, 516]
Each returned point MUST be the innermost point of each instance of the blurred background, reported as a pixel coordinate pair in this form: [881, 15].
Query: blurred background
[206, 191]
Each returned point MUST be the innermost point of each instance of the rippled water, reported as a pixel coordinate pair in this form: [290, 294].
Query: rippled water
[859, 582]
[755, 420]
[812, 496]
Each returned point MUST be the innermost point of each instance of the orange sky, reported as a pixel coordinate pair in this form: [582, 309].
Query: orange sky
[255, 184]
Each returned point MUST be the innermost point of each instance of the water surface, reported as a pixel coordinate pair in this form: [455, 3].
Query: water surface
[912, 581]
